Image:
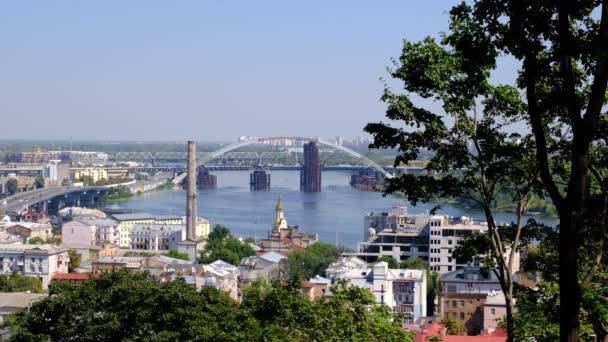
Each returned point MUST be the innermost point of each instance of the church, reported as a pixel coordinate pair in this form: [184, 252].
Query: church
[284, 238]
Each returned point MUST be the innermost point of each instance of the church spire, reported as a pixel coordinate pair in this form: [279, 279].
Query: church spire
[279, 205]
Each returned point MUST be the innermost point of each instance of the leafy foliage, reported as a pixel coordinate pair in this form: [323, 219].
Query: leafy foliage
[18, 283]
[223, 246]
[312, 260]
[39, 182]
[74, 260]
[12, 186]
[453, 326]
[177, 255]
[138, 309]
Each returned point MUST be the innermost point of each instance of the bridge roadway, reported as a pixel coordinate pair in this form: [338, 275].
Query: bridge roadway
[23, 200]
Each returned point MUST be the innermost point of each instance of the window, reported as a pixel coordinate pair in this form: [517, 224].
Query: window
[462, 315]
[462, 303]
[452, 288]
[469, 284]
[449, 242]
[449, 268]
[449, 259]
[493, 311]
[453, 303]
[401, 298]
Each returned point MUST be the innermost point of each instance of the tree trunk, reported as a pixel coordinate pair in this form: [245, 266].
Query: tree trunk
[570, 296]
[510, 323]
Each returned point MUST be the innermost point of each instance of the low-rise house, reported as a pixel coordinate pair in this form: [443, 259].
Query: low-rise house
[264, 267]
[14, 302]
[40, 261]
[29, 230]
[403, 290]
[76, 278]
[117, 263]
[219, 274]
[343, 265]
[316, 288]
[463, 295]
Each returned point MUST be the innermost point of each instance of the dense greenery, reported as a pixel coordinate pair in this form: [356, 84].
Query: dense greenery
[12, 186]
[545, 134]
[138, 309]
[36, 240]
[118, 193]
[453, 327]
[177, 255]
[74, 260]
[312, 260]
[223, 246]
[18, 283]
[39, 182]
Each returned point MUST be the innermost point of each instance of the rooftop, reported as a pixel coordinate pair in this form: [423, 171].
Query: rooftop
[19, 300]
[31, 248]
[273, 257]
[133, 216]
[71, 276]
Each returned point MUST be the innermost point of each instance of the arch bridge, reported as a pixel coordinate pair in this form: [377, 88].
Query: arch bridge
[212, 155]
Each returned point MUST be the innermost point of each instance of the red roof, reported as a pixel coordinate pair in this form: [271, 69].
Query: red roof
[434, 329]
[71, 276]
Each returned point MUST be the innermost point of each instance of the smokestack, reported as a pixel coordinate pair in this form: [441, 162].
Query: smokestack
[191, 192]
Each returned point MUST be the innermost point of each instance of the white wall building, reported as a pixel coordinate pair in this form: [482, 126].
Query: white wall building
[403, 290]
[40, 261]
[156, 237]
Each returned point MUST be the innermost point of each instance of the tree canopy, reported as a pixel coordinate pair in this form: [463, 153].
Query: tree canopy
[544, 135]
[313, 260]
[223, 246]
[126, 306]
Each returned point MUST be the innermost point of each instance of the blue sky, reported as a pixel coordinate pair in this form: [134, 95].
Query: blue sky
[204, 70]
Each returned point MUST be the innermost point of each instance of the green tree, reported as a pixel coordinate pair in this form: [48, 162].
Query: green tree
[453, 326]
[74, 260]
[177, 255]
[561, 50]
[223, 246]
[18, 283]
[311, 261]
[36, 240]
[12, 186]
[65, 182]
[39, 182]
[137, 307]
[392, 262]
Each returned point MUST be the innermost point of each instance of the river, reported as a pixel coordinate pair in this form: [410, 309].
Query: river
[336, 213]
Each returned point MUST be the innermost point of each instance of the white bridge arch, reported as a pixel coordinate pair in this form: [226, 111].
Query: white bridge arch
[232, 147]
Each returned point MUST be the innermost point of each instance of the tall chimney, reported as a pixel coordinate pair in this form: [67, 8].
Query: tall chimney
[191, 192]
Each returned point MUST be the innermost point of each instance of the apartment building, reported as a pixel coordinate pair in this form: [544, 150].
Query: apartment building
[464, 293]
[40, 261]
[403, 290]
[401, 235]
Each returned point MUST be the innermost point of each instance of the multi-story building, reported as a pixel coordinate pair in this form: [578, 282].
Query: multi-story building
[96, 174]
[90, 231]
[40, 261]
[56, 172]
[156, 237]
[310, 176]
[82, 157]
[30, 157]
[431, 238]
[464, 293]
[403, 290]
[127, 221]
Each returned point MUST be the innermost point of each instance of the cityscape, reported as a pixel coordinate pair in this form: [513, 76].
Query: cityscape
[351, 171]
